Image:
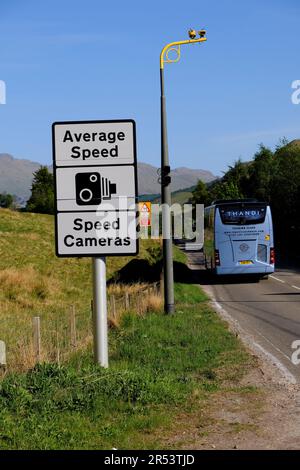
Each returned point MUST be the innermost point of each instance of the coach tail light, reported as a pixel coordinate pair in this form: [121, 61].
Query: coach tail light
[272, 255]
[217, 258]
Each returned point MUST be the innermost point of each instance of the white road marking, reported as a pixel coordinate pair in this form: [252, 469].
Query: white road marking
[283, 282]
[280, 280]
[284, 370]
[280, 366]
[273, 345]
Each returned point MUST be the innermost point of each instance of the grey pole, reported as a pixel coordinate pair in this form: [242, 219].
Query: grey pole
[100, 312]
[166, 204]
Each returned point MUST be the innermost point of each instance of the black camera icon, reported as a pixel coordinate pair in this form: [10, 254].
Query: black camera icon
[92, 189]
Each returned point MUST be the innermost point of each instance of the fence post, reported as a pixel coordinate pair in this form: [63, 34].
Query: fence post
[139, 302]
[73, 327]
[57, 345]
[127, 303]
[161, 283]
[37, 338]
[113, 304]
[157, 285]
[2, 355]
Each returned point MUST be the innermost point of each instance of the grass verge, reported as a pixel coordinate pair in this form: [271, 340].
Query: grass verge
[34, 282]
[160, 366]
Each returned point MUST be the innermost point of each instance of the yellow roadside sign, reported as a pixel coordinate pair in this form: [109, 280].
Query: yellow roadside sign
[145, 213]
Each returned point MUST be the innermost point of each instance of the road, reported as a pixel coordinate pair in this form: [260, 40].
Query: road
[268, 311]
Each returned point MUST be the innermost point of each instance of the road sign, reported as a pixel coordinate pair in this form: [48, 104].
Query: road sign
[145, 213]
[89, 233]
[95, 172]
[94, 143]
[96, 188]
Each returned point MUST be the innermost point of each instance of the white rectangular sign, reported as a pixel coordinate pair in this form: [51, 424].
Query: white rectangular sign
[94, 143]
[95, 170]
[92, 188]
[88, 233]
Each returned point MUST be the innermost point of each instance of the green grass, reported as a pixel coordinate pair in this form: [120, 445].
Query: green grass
[34, 282]
[27, 241]
[181, 196]
[158, 365]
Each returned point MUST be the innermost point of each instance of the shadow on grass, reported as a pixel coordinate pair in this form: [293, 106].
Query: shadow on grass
[137, 270]
[141, 270]
[185, 275]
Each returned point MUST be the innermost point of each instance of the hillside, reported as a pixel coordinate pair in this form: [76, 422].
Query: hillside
[294, 143]
[34, 282]
[16, 177]
[181, 178]
[163, 369]
[181, 196]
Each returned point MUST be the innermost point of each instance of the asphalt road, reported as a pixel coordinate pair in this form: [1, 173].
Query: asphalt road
[268, 311]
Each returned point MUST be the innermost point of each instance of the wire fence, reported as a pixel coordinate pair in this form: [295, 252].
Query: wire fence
[48, 339]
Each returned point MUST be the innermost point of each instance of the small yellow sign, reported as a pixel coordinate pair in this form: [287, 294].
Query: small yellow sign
[267, 237]
[145, 213]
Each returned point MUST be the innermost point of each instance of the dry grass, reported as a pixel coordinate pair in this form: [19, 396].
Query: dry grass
[34, 282]
[57, 342]
[137, 298]
[120, 289]
[57, 339]
[26, 287]
[154, 303]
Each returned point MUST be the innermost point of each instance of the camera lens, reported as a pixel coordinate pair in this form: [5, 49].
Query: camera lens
[93, 178]
[85, 195]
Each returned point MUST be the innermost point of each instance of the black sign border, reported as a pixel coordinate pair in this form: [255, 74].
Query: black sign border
[134, 164]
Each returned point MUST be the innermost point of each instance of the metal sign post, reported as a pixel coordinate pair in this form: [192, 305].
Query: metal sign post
[100, 312]
[165, 167]
[95, 174]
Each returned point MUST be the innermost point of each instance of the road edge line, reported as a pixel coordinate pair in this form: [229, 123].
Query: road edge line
[252, 345]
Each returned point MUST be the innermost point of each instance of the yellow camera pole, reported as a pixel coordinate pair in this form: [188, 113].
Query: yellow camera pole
[165, 170]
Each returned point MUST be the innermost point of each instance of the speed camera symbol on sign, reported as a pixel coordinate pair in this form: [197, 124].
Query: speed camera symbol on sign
[91, 188]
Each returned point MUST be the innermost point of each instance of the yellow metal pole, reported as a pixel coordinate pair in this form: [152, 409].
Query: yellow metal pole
[169, 306]
[173, 45]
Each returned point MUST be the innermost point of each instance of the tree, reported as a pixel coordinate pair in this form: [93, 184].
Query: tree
[237, 179]
[285, 185]
[42, 192]
[226, 190]
[261, 172]
[201, 194]
[6, 201]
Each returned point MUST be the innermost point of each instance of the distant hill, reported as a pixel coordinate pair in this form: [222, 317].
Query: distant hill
[294, 143]
[181, 196]
[16, 177]
[181, 178]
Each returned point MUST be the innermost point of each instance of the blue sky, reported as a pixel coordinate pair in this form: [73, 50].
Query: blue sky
[77, 60]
